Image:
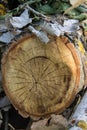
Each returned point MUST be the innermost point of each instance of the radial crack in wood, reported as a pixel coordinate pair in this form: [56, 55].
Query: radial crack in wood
[41, 79]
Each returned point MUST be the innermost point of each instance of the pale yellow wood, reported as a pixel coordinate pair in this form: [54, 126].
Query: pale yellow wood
[41, 79]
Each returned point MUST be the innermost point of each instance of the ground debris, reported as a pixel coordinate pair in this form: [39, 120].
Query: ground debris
[55, 122]
[47, 17]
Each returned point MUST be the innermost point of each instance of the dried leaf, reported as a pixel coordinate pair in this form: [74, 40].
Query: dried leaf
[40, 123]
[21, 21]
[74, 3]
[2, 9]
[53, 127]
[71, 25]
[80, 46]
[54, 29]
[41, 35]
[3, 28]
[82, 124]
[6, 37]
[58, 120]
[57, 29]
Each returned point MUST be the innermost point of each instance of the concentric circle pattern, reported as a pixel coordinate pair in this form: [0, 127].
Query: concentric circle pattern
[39, 79]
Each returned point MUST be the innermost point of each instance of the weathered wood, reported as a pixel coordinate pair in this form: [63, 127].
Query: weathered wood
[41, 79]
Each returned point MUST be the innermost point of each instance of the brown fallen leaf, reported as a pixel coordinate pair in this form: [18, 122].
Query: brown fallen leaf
[76, 2]
[39, 123]
[55, 122]
[53, 127]
[58, 120]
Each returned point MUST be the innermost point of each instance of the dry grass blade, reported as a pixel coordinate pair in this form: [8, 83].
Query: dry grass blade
[74, 3]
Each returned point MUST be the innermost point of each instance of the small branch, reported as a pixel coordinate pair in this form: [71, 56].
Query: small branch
[26, 5]
[36, 12]
[23, 5]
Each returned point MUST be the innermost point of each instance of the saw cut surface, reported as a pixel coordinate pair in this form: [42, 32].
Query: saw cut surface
[40, 79]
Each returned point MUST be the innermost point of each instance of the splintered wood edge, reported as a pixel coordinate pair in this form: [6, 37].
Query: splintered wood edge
[71, 47]
[3, 61]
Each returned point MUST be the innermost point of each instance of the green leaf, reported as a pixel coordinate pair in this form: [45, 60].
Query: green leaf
[82, 9]
[60, 6]
[46, 9]
[5, 16]
[73, 13]
[80, 17]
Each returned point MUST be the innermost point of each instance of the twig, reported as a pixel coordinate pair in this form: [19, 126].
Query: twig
[11, 126]
[23, 5]
[26, 5]
[36, 12]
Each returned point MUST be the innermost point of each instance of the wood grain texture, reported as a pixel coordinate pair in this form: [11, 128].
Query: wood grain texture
[41, 79]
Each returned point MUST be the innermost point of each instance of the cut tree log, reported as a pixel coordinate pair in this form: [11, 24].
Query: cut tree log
[41, 79]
